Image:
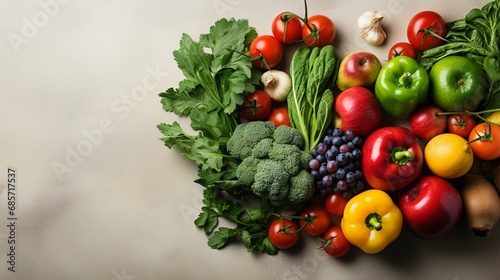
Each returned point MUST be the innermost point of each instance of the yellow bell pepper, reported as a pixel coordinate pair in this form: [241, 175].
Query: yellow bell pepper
[371, 221]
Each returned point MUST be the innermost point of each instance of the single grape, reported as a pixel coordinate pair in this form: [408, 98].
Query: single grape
[322, 170]
[340, 174]
[344, 148]
[314, 164]
[337, 132]
[327, 181]
[342, 185]
[321, 148]
[342, 159]
[332, 166]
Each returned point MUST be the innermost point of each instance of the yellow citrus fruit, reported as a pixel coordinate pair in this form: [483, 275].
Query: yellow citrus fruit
[494, 117]
[448, 155]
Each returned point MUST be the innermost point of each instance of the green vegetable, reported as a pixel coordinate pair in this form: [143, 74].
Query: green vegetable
[217, 77]
[402, 84]
[475, 36]
[313, 72]
[274, 164]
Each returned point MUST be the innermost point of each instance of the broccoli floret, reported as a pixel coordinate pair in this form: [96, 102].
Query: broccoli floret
[301, 187]
[287, 155]
[261, 149]
[245, 172]
[271, 180]
[305, 158]
[247, 135]
[288, 135]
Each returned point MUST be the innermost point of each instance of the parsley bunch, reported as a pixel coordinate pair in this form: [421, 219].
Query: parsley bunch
[218, 75]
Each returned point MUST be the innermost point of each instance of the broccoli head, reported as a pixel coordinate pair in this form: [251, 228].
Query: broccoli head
[245, 172]
[273, 162]
[286, 155]
[271, 180]
[261, 149]
[247, 135]
[301, 187]
[287, 135]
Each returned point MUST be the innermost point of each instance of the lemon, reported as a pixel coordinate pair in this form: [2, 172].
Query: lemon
[494, 118]
[448, 155]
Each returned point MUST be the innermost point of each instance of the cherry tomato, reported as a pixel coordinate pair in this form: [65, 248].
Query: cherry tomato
[423, 28]
[321, 220]
[484, 141]
[335, 243]
[279, 116]
[257, 106]
[402, 48]
[460, 124]
[319, 31]
[287, 28]
[283, 233]
[335, 204]
[266, 51]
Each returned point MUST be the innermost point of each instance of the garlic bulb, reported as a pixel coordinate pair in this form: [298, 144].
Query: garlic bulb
[370, 27]
[277, 84]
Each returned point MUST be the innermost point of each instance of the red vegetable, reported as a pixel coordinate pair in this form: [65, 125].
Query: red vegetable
[287, 28]
[266, 51]
[425, 30]
[283, 233]
[392, 158]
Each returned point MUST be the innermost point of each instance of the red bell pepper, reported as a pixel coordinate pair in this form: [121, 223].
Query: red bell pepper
[392, 158]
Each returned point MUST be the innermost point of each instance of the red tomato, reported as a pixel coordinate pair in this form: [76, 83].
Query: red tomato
[319, 31]
[335, 204]
[266, 51]
[460, 124]
[335, 243]
[257, 106]
[484, 141]
[283, 233]
[321, 220]
[402, 48]
[287, 28]
[423, 28]
[279, 116]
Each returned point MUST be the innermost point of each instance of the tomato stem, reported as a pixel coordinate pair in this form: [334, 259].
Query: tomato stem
[475, 114]
[428, 31]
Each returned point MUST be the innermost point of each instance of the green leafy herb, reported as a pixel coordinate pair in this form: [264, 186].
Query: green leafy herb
[474, 36]
[217, 76]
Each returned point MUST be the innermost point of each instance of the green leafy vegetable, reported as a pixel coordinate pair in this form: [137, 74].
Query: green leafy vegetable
[313, 72]
[474, 36]
[217, 76]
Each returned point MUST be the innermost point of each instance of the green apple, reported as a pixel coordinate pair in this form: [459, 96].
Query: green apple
[457, 84]
[358, 69]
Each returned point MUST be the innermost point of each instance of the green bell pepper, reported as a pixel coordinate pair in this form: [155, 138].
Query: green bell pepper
[401, 86]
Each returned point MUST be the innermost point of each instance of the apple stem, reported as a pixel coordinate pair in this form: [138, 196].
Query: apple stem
[404, 80]
[374, 221]
[401, 156]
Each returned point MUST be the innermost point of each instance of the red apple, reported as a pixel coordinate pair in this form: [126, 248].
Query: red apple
[431, 206]
[358, 69]
[426, 123]
[357, 109]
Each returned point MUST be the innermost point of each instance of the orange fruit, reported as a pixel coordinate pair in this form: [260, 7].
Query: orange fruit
[448, 155]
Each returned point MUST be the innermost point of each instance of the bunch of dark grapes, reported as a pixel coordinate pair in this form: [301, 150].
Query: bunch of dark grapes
[336, 164]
